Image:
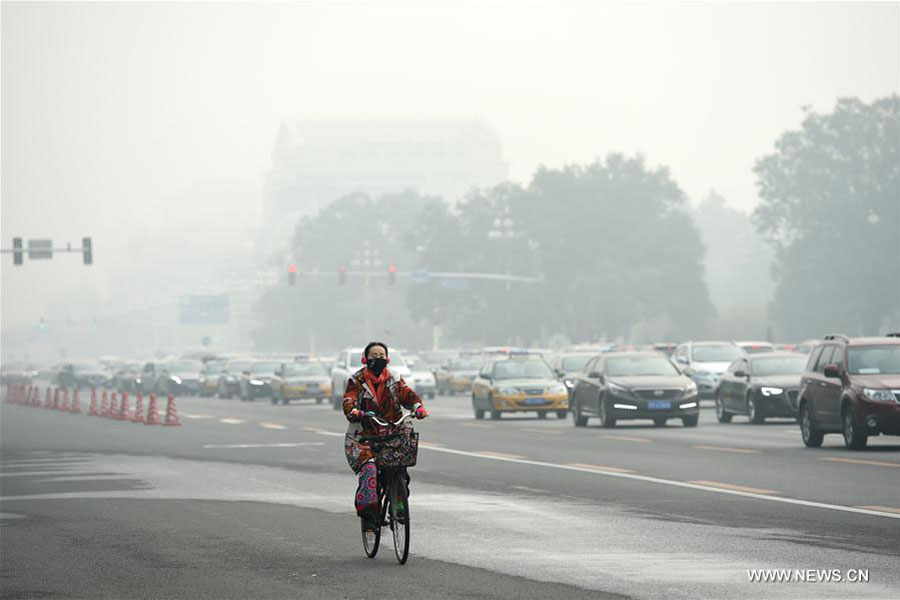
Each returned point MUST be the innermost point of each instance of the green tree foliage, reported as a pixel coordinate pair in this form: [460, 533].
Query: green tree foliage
[612, 240]
[830, 209]
[335, 315]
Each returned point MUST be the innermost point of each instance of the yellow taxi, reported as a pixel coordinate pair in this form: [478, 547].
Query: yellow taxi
[301, 379]
[518, 384]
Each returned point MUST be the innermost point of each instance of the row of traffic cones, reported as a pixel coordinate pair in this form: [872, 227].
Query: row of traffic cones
[110, 407]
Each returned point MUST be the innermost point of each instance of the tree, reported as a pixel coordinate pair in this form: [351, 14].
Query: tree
[612, 241]
[830, 208]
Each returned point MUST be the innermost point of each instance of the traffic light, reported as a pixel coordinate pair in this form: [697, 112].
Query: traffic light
[292, 274]
[392, 274]
[17, 251]
[86, 251]
[342, 275]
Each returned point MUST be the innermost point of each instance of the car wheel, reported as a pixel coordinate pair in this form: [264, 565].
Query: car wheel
[722, 415]
[753, 413]
[319, 400]
[812, 437]
[577, 418]
[479, 413]
[286, 401]
[542, 414]
[606, 421]
[854, 438]
[690, 421]
[659, 422]
[561, 414]
[274, 400]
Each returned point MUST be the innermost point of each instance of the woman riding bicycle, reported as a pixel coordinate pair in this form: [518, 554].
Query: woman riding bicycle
[373, 389]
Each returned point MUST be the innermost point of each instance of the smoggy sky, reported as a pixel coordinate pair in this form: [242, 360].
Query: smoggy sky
[110, 109]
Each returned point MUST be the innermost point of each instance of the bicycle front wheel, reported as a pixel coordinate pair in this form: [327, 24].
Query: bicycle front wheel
[399, 512]
[370, 540]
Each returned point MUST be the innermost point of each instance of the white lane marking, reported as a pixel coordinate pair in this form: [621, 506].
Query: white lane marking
[232, 421]
[536, 430]
[333, 433]
[731, 486]
[889, 509]
[625, 438]
[272, 425]
[601, 468]
[727, 449]
[284, 445]
[499, 454]
[659, 480]
[857, 461]
[196, 416]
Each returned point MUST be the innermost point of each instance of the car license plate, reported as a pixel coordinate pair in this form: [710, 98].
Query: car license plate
[535, 401]
[659, 404]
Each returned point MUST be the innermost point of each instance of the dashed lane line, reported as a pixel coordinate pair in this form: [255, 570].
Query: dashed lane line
[625, 438]
[277, 426]
[196, 416]
[601, 468]
[859, 461]
[718, 489]
[887, 509]
[727, 449]
[737, 488]
[232, 421]
[499, 454]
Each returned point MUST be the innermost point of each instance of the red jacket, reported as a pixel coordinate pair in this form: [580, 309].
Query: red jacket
[396, 394]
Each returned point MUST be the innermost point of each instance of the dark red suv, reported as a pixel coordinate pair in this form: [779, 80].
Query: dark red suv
[851, 386]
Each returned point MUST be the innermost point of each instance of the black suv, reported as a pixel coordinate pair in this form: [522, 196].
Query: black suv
[851, 386]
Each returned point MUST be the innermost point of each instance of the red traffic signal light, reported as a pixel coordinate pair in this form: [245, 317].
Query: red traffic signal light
[292, 274]
[342, 275]
[392, 274]
[292, 268]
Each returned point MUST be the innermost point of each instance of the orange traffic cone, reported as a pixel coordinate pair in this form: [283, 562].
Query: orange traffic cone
[104, 405]
[138, 416]
[92, 410]
[113, 411]
[171, 412]
[152, 412]
[124, 409]
[76, 403]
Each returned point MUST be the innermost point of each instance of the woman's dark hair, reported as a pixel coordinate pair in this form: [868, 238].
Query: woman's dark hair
[372, 345]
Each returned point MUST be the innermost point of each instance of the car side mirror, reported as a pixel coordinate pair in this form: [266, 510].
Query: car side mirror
[596, 375]
[681, 359]
[740, 373]
[560, 373]
[832, 371]
[688, 371]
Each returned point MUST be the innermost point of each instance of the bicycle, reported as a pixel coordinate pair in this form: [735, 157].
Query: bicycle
[391, 492]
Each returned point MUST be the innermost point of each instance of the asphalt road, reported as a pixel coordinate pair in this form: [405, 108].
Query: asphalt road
[251, 500]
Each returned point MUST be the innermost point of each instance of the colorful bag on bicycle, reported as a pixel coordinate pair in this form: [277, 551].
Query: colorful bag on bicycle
[400, 451]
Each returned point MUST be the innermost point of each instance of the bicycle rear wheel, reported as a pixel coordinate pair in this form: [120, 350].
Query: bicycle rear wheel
[370, 540]
[399, 519]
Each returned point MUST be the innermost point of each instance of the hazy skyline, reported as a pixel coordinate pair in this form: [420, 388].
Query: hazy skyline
[110, 109]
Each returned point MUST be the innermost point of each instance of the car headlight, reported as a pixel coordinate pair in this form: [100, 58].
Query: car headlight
[569, 383]
[618, 389]
[256, 382]
[690, 389]
[771, 391]
[559, 389]
[176, 379]
[508, 391]
[879, 395]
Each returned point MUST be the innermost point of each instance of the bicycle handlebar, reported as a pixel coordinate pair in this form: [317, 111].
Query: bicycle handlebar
[375, 418]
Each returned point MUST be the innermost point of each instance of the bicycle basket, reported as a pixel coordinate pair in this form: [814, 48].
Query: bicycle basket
[400, 451]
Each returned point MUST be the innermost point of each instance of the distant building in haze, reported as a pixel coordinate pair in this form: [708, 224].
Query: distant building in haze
[318, 160]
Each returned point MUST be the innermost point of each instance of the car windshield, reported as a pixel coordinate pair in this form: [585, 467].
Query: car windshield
[464, 364]
[186, 365]
[237, 367]
[874, 360]
[522, 369]
[264, 367]
[639, 365]
[214, 367]
[304, 368]
[87, 368]
[757, 348]
[723, 353]
[575, 363]
[782, 365]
